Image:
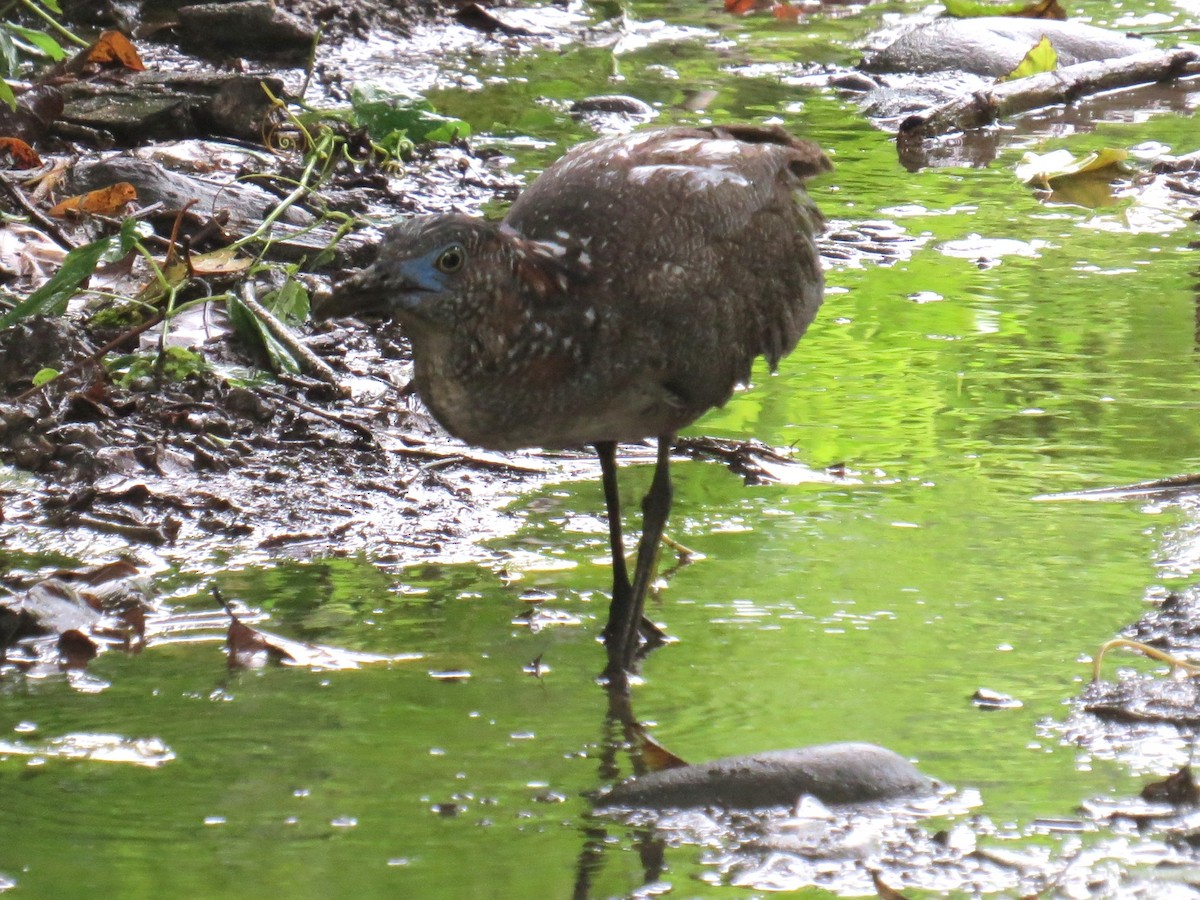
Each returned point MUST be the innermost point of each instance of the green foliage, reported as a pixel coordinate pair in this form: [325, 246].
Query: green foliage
[19, 43]
[392, 119]
[51, 298]
[289, 305]
[44, 376]
[36, 43]
[173, 364]
[1040, 58]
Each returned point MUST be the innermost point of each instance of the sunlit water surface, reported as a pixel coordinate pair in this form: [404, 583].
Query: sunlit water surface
[953, 393]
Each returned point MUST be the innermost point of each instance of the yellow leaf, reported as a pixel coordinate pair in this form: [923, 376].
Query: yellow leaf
[1041, 58]
[220, 262]
[1044, 169]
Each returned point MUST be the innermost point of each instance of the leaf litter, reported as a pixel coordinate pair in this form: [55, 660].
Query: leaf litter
[58, 624]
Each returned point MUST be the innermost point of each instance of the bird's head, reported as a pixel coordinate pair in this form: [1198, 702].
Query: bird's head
[430, 270]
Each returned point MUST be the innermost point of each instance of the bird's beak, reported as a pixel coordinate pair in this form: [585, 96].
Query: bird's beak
[361, 295]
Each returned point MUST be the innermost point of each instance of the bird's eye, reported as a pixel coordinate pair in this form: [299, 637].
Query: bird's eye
[452, 259]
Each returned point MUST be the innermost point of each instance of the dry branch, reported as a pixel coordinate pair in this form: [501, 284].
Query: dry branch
[980, 108]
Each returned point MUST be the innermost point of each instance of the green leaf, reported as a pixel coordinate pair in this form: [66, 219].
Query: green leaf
[42, 376]
[1041, 58]
[132, 231]
[178, 363]
[966, 9]
[7, 95]
[175, 364]
[40, 40]
[254, 332]
[51, 5]
[289, 304]
[9, 60]
[51, 298]
[385, 112]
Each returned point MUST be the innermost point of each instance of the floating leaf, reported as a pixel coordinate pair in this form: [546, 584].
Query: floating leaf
[657, 757]
[109, 201]
[1046, 169]
[1040, 58]
[251, 648]
[112, 47]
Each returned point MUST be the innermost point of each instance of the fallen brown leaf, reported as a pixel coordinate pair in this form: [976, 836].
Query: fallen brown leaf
[23, 156]
[109, 201]
[112, 47]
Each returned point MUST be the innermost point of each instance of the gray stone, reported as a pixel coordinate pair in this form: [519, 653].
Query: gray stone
[833, 773]
[994, 46]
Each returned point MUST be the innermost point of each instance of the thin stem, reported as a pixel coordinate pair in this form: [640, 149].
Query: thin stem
[37, 10]
[1175, 662]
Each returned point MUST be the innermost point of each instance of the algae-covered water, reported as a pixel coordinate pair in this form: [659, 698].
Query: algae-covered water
[1014, 349]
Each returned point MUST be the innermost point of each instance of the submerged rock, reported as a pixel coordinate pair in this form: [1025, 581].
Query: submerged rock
[994, 46]
[833, 773]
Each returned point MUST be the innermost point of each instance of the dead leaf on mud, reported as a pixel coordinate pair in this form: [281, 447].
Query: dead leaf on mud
[100, 574]
[108, 201]
[220, 262]
[783, 10]
[76, 649]
[1179, 789]
[22, 155]
[112, 47]
[110, 50]
[66, 620]
[472, 15]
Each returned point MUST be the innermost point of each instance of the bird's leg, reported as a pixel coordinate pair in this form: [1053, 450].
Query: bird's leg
[619, 609]
[655, 508]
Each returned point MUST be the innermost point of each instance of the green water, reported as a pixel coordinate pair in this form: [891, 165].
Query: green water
[820, 612]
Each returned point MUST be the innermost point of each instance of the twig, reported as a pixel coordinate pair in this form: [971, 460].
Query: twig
[44, 222]
[979, 108]
[464, 454]
[361, 430]
[308, 360]
[1174, 662]
[1178, 29]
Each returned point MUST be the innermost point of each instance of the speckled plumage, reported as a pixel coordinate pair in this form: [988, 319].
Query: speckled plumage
[627, 291]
